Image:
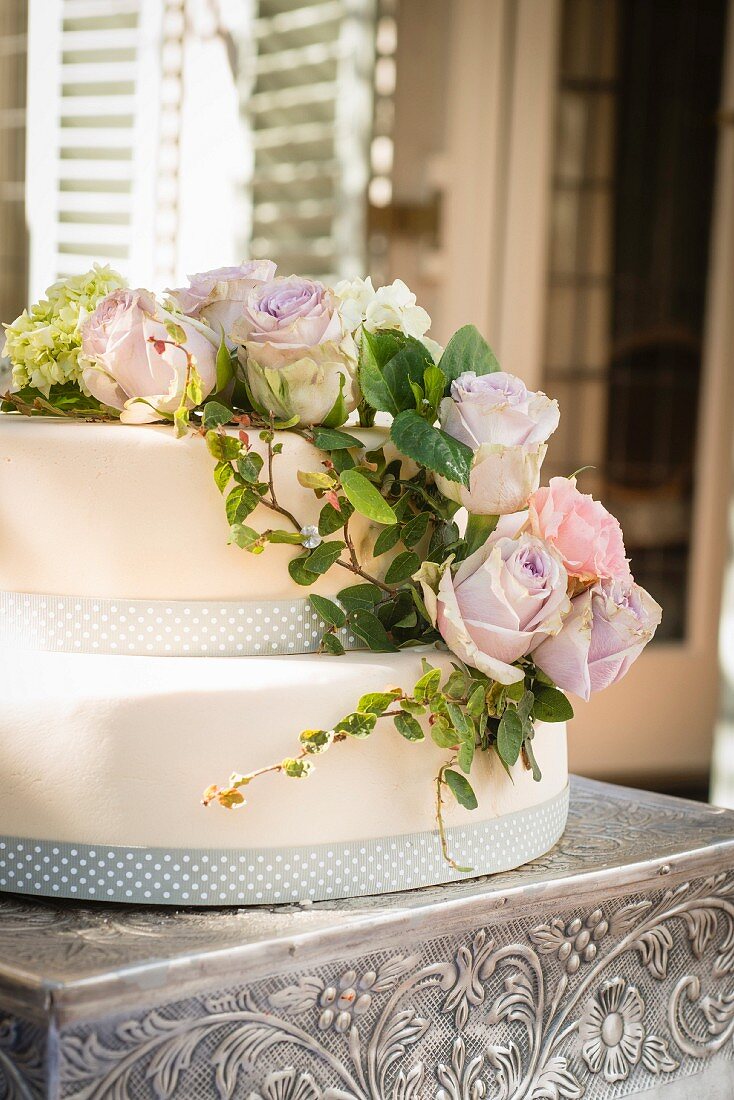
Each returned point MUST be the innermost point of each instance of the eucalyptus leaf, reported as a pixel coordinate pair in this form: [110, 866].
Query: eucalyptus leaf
[551, 705]
[365, 498]
[331, 644]
[408, 727]
[461, 789]
[403, 567]
[509, 737]
[371, 630]
[386, 540]
[215, 414]
[358, 596]
[323, 557]
[329, 611]
[357, 724]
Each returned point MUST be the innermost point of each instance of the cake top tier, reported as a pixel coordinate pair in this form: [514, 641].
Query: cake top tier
[130, 512]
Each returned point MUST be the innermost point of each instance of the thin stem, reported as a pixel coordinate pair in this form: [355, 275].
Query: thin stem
[440, 783]
[354, 567]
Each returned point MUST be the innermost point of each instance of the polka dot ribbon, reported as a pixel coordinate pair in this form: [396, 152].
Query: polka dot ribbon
[153, 628]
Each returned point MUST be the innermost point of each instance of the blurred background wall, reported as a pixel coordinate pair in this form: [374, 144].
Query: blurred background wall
[560, 172]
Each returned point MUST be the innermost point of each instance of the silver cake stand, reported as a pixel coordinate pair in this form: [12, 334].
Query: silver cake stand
[604, 969]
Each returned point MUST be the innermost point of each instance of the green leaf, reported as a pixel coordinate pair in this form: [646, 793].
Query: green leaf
[377, 702]
[457, 684]
[461, 789]
[338, 412]
[376, 350]
[240, 503]
[477, 701]
[175, 332]
[443, 734]
[357, 724]
[467, 350]
[225, 367]
[328, 610]
[509, 737]
[323, 557]
[415, 529]
[222, 475]
[408, 727]
[461, 723]
[331, 519]
[249, 467]
[359, 596]
[223, 447]
[525, 707]
[215, 414]
[288, 538]
[332, 645]
[528, 747]
[245, 537]
[297, 769]
[412, 707]
[365, 498]
[315, 479]
[551, 705]
[431, 447]
[434, 384]
[428, 684]
[370, 629]
[403, 374]
[404, 566]
[299, 573]
[328, 439]
[386, 540]
[465, 756]
[315, 741]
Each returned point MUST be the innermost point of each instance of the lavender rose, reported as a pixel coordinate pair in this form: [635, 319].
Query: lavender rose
[218, 296]
[605, 633]
[505, 599]
[297, 357]
[507, 426]
[132, 362]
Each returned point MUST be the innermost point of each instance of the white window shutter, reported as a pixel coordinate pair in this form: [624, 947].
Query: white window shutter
[310, 111]
[94, 94]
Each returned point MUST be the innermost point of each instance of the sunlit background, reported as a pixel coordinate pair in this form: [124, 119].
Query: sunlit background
[561, 172]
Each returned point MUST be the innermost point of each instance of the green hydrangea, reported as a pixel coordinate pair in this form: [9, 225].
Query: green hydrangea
[44, 343]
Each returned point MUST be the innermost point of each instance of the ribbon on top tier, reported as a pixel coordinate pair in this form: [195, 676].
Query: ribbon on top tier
[162, 628]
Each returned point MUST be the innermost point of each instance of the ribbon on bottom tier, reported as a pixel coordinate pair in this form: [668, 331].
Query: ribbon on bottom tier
[162, 628]
[272, 876]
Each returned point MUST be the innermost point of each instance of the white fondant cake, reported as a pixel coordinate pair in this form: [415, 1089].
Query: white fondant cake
[104, 750]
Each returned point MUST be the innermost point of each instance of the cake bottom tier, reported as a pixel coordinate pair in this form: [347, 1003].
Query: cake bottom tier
[103, 760]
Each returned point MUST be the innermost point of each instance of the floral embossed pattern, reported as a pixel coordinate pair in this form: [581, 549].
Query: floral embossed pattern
[494, 1013]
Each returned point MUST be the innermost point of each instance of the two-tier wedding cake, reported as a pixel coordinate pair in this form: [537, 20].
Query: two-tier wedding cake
[211, 559]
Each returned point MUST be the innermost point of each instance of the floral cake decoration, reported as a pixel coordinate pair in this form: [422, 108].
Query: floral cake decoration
[528, 587]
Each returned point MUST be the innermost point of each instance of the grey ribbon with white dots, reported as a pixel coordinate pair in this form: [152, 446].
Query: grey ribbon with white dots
[162, 628]
[272, 876]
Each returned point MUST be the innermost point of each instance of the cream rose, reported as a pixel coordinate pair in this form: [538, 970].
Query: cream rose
[133, 364]
[606, 631]
[503, 601]
[297, 357]
[506, 425]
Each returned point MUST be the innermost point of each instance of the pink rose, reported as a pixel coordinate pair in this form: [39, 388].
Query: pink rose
[605, 633]
[297, 357]
[126, 370]
[503, 601]
[586, 535]
[218, 296]
[507, 426]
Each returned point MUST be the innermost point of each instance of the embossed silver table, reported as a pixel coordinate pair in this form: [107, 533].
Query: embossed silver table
[604, 969]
